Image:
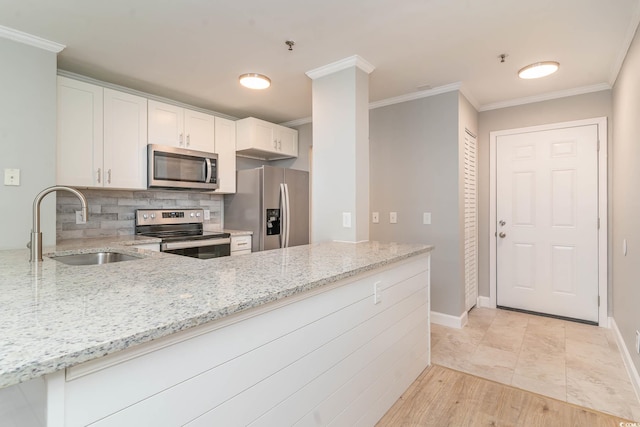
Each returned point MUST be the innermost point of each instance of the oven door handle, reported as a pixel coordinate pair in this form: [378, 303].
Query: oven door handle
[194, 244]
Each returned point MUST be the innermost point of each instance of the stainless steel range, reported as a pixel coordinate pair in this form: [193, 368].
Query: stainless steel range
[182, 232]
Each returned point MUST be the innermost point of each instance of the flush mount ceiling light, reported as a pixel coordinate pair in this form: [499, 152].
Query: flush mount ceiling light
[539, 69]
[254, 81]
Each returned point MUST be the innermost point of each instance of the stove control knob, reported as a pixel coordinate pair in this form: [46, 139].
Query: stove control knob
[198, 215]
[145, 216]
[153, 216]
[192, 214]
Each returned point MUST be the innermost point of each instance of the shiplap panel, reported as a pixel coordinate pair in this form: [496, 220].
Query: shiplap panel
[301, 329]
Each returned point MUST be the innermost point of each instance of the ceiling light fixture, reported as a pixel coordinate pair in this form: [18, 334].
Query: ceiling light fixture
[539, 69]
[254, 81]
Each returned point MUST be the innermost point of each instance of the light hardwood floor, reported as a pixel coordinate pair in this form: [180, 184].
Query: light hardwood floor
[443, 397]
[572, 362]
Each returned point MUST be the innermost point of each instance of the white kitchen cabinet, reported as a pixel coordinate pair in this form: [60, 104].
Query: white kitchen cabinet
[260, 139]
[180, 127]
[125, 140]
[101, 140]
[240, 245]
[79, 134]
[225, 147]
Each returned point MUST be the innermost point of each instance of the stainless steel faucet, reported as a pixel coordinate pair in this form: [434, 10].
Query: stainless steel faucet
[36, 234]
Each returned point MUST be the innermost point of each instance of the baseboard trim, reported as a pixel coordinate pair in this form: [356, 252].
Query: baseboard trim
[448, 320]
[626, 357]
[485, 302]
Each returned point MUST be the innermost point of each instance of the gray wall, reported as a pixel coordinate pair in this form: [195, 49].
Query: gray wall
[413, 158]
[597, 104]
[27, 139]
[626, 199]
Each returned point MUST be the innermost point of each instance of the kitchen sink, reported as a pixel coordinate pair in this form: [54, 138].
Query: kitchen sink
[94, 258]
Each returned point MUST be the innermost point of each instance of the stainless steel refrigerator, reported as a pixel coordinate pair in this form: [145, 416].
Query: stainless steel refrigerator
[273, 203]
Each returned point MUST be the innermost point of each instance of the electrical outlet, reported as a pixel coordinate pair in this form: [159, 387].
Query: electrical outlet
[393, 217]
[638, 342]
[207, 214]
[377, 292]
[79, 218]
[12, 177]
[375, 217]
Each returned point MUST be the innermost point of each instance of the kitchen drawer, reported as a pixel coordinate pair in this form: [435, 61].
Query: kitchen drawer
[240, 243]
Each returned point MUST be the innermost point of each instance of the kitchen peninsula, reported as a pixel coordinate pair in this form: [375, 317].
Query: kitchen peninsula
[309, 334]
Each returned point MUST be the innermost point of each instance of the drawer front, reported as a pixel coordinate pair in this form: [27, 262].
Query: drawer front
[240, 243]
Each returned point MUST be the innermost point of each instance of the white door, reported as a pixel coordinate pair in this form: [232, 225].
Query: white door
[547, 222]
[199, 129]
[166, 124]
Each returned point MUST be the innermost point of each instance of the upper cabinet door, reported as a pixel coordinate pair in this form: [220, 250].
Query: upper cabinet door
[79, 134]
[125, 140]
[259, 139]
[287, 140]
[226, 150]
[199, 130]
[166, 124]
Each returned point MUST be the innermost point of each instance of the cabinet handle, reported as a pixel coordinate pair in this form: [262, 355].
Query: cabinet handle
[188, 140]
[242, 244]
[109, 176]
[275, 144]
[279, 144]
[99, 175]
[181, 140]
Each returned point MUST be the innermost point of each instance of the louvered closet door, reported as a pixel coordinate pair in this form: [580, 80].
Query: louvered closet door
[470, 223]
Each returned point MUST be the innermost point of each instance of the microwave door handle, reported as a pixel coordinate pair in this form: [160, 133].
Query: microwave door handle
[208, 170]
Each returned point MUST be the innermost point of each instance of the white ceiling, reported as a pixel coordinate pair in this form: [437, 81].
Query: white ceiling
[193, 50]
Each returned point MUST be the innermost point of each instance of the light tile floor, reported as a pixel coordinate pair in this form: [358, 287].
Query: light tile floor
[569, 361]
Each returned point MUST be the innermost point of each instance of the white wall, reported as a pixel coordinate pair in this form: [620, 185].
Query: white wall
[27, 139]
[414, 158]
[626, 199]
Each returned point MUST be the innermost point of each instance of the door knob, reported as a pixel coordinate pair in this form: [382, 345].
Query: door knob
[502, 223]
[502, 234]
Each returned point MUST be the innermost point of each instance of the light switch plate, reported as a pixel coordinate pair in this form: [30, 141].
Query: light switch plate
[12, 177]
[393, 217]
[346, 219]
[375, 217]
[426, 218]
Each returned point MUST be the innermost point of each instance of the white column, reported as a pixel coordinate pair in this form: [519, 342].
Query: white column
[340, 164]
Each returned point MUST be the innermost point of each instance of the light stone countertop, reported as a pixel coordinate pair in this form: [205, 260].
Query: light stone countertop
[55, 316]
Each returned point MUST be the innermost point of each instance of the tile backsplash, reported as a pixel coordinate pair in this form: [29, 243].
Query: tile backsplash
[112, 212]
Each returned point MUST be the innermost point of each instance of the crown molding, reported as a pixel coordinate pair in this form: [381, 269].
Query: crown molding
[28, 39]
[545, 97]
[343, 64]
[297, 122]
[415, 95]
[626, 44]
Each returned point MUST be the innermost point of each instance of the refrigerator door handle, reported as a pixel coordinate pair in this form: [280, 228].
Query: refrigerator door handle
[283, 217]
[288, 215]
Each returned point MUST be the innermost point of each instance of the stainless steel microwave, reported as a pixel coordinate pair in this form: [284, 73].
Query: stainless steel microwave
[181, 168]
